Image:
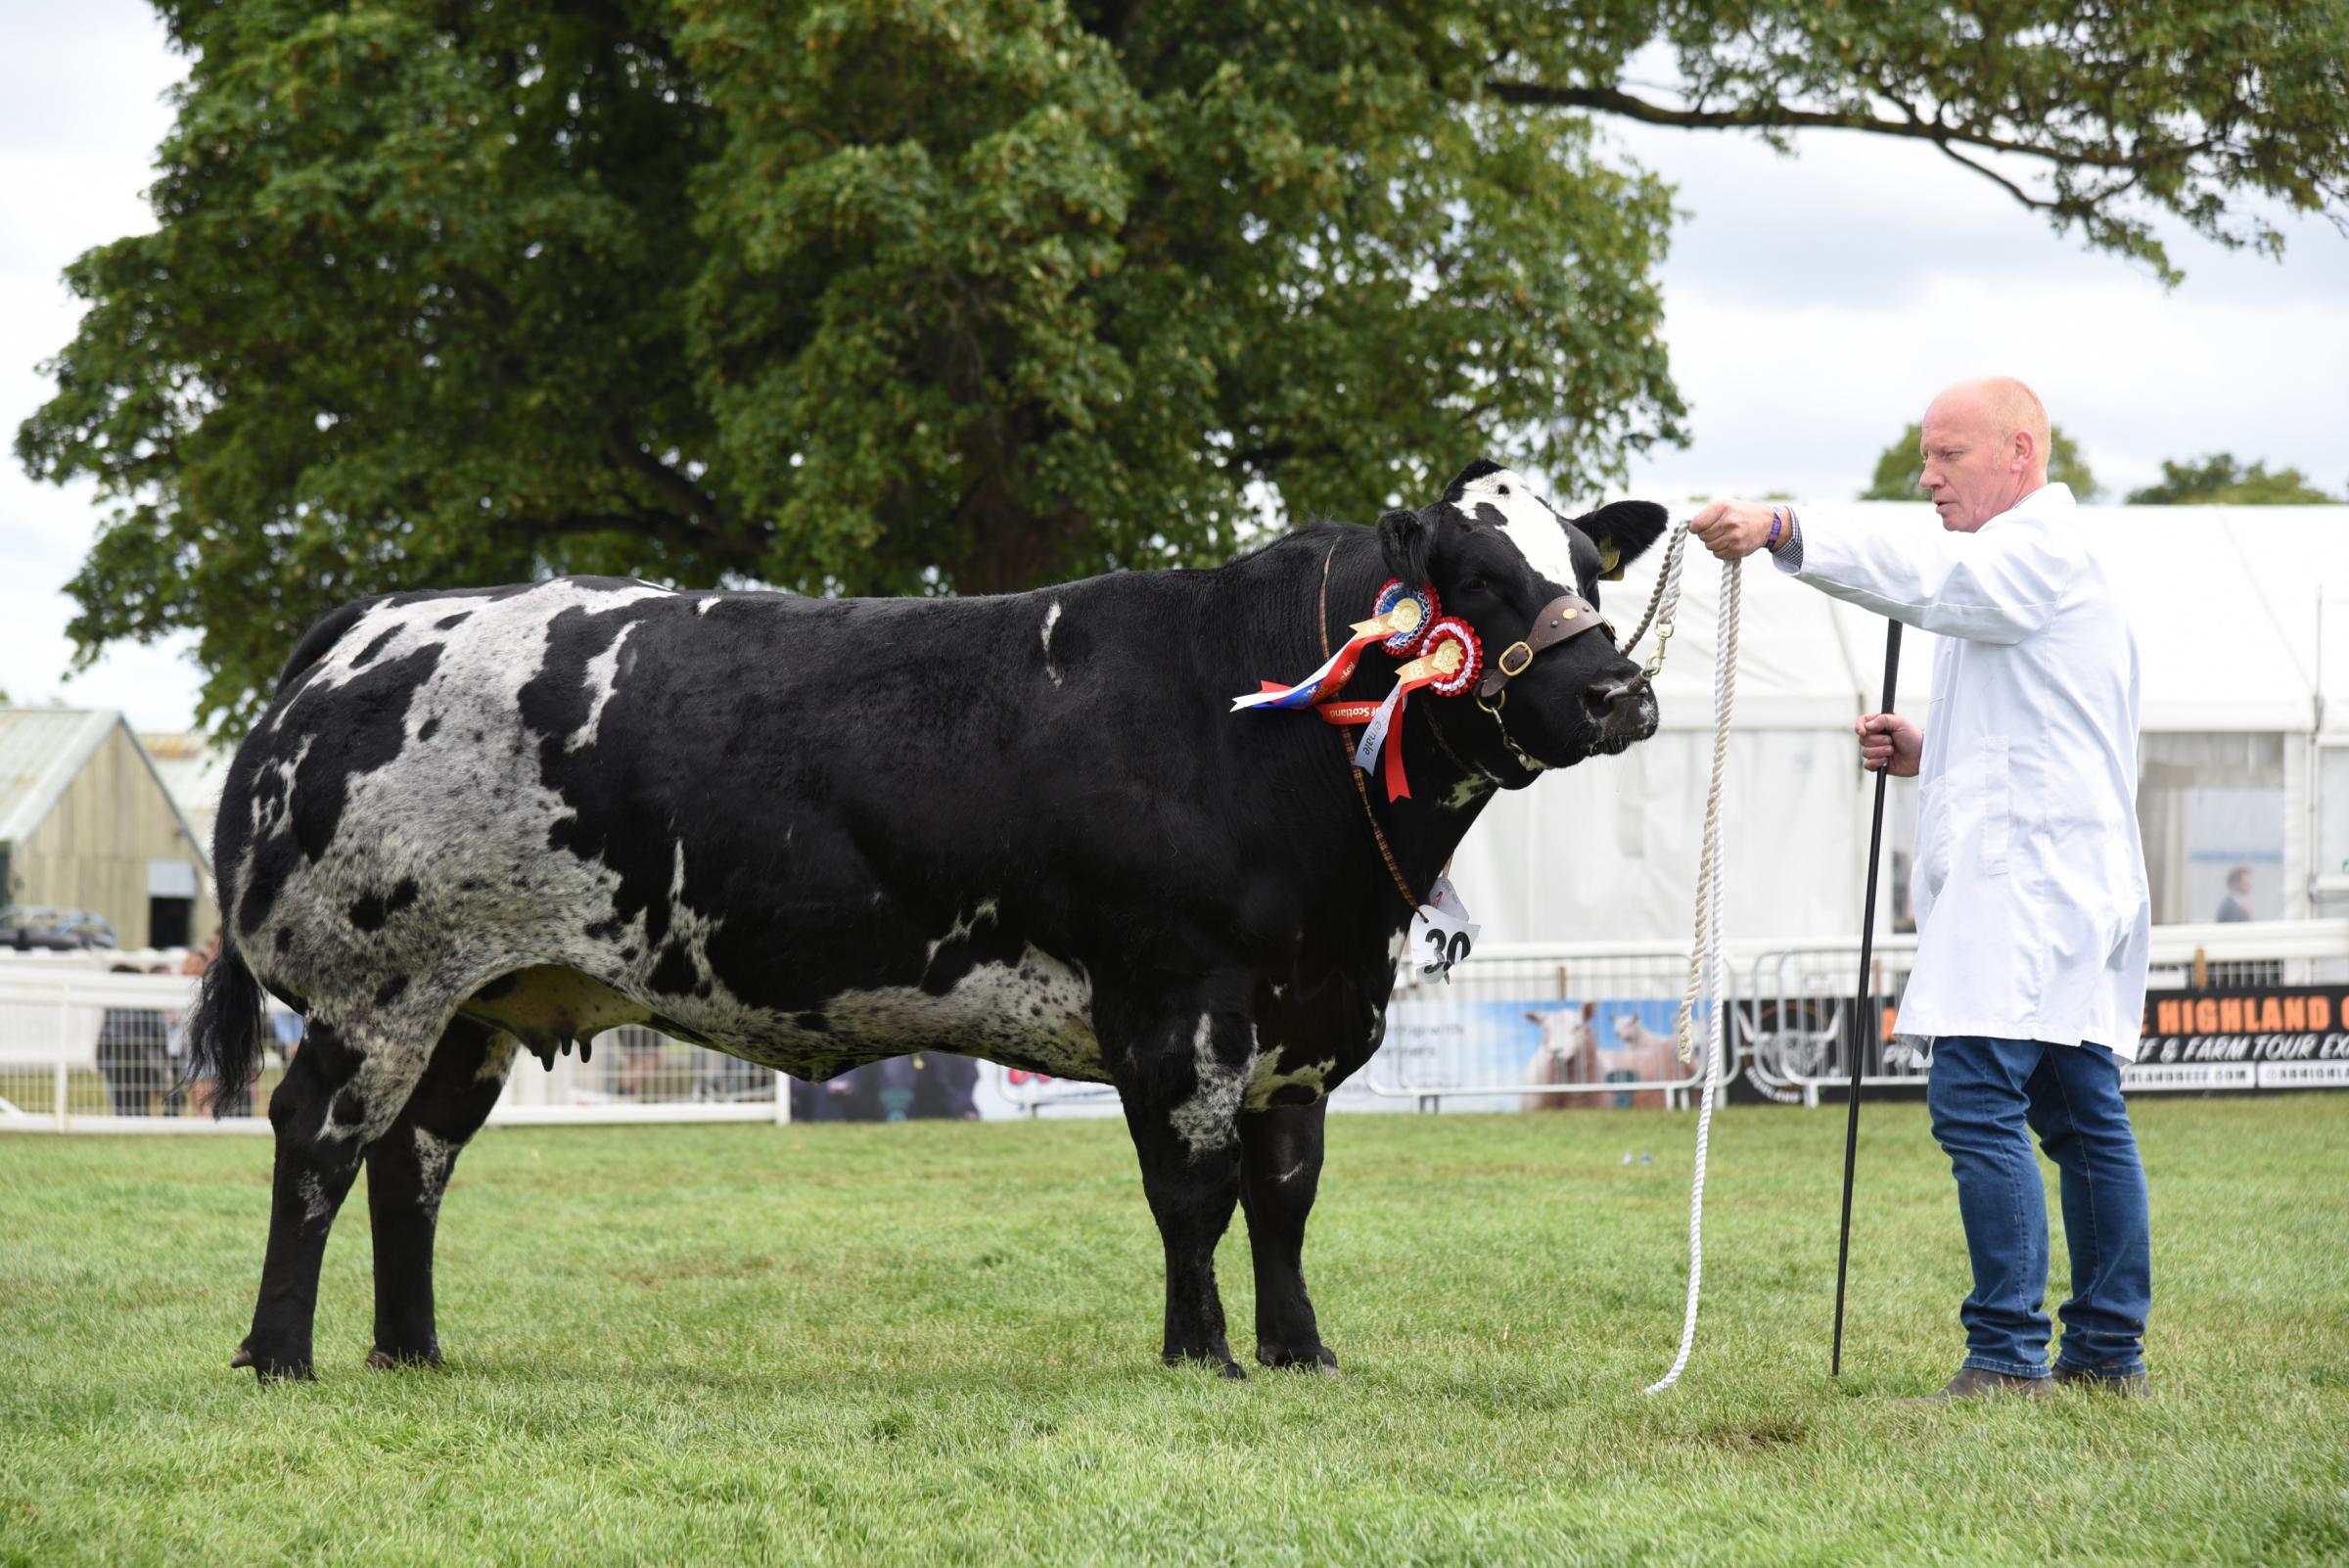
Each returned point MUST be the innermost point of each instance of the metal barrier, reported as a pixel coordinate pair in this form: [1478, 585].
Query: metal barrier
[1544, 1026]
[1517, 1026]
[85, 1050]
[1799, 1032]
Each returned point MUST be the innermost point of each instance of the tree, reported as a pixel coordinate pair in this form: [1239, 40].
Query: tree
[2219, 481]
[956, 295]
[1901, 463]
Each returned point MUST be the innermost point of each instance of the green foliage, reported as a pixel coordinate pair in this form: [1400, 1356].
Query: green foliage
[937, 1343]
[920, 296]
[2219, 480]
[1899, 465]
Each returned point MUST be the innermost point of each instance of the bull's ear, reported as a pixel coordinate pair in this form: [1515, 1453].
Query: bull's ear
[1622, 530]
[1407, 542]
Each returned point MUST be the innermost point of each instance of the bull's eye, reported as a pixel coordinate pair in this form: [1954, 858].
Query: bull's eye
[1504, 489]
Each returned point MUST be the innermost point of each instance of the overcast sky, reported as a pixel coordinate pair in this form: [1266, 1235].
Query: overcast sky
[1815, 304]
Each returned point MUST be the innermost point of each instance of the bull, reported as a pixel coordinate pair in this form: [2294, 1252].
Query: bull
[812, 833]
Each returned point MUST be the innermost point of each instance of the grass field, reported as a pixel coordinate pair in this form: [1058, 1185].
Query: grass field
[935, 1343]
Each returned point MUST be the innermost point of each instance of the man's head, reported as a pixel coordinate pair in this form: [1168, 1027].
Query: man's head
[1985, 448]
[2238, 881]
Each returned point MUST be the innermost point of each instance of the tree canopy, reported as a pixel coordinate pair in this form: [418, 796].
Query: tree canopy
[917, 296]
[2220, 481]
[1902, 464]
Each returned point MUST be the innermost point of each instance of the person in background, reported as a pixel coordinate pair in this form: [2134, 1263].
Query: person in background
[2236, 905]
[131, 1053]
[2033, 918]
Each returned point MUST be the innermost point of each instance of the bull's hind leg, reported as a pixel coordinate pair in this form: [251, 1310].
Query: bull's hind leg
[1181, 1071]
[407, 1171]
[1280, 1170]
[334, 1098]
[313, 1111]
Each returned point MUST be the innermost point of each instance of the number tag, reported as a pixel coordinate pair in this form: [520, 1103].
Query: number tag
[1442, 934]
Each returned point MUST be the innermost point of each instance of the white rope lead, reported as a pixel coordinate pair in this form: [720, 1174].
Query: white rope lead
[1704, 957]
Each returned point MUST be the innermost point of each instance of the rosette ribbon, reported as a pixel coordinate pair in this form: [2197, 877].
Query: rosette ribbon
[1449, 660]
[1399, 622]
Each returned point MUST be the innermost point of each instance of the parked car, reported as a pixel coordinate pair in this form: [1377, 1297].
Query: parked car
[39, 927]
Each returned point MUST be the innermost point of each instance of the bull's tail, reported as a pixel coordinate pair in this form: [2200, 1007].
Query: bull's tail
[227, 1027]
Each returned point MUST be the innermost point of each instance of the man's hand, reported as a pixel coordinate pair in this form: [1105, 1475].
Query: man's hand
[1890, 738]
[1734, 530]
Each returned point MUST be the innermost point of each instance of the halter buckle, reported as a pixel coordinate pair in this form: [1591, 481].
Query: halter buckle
[1524, 656]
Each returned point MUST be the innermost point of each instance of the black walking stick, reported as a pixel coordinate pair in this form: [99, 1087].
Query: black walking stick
[1868, 943]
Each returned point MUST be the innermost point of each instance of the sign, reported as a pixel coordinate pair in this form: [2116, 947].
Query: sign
[1442, 934]
[2259, 1036]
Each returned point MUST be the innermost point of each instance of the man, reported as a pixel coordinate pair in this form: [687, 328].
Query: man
[2032, 913]
[2237, 905]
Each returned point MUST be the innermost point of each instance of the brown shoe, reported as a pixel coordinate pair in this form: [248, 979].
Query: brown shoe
[2126, 1386]
[1978, 1383]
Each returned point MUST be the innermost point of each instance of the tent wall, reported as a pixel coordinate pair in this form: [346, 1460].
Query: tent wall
[2237, 641]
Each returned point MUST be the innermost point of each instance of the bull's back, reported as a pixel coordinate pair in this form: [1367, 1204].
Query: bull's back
[796, 828]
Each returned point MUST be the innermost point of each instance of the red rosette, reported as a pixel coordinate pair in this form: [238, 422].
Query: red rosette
[1453, 630]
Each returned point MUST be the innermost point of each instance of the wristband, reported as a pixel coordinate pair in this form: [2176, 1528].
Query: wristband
[1771, 543]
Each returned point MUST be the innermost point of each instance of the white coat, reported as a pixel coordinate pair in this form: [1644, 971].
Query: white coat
[2032, 915]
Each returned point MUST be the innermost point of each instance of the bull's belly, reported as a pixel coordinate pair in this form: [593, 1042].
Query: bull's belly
[1034, 1013]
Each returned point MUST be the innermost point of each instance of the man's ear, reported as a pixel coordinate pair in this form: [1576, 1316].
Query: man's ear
[1407, 542]
[1622, 530]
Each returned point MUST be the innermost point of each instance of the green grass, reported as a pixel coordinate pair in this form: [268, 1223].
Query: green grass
[935, 1343]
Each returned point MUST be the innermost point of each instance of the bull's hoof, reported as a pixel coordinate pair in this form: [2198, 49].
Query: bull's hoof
[1223, 1364]
[268, 1366]
[1316, 1358]
[276, 1369]
[381, 1359]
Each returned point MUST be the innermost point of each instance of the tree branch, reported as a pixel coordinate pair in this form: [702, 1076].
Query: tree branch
[1612, 101]
[697, 504]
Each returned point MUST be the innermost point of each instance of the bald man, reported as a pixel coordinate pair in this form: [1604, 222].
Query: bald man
[2031, 912]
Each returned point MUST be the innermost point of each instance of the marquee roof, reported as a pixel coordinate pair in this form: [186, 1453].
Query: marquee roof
[2241, 616]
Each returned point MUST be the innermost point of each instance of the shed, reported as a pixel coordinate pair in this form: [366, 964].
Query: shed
[86, 823]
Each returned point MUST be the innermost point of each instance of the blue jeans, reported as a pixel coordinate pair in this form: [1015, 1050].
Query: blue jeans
[1984, 1093]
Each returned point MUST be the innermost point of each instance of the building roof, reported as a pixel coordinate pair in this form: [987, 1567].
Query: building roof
[43, 749]
[2241, 616]
[194, 771]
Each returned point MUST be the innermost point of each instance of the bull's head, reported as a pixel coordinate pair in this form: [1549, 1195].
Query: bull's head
[1503, 559]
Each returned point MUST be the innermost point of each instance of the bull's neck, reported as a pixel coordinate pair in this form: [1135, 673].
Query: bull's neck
[1424, 828]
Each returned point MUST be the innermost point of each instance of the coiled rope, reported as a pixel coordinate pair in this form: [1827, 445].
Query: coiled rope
[1704, 945]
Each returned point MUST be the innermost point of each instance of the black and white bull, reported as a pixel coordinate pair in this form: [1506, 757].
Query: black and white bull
[812, 833]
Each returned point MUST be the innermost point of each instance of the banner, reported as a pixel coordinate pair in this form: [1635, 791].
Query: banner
[2256, 1036]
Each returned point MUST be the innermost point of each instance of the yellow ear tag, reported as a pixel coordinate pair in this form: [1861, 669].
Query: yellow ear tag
[1610, 563]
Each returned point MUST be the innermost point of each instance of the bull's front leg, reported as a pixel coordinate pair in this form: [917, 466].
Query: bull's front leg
[1280, 1170]
[1181, 1066]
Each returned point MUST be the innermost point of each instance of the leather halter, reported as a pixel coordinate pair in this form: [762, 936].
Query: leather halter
[1562, 619]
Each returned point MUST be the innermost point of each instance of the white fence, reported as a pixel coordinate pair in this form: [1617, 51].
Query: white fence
[1531, 1025]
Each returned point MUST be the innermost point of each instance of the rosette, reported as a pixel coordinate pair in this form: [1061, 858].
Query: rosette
[1398, 622]
[1444, 634]
[1447, 665]
[1408, 641]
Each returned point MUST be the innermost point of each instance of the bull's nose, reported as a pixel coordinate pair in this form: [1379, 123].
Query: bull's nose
[1625, 709]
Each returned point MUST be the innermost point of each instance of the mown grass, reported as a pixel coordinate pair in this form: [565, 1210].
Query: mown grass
[935, 1343]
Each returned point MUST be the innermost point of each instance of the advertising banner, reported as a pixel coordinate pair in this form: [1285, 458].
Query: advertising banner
[2258, 1037]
